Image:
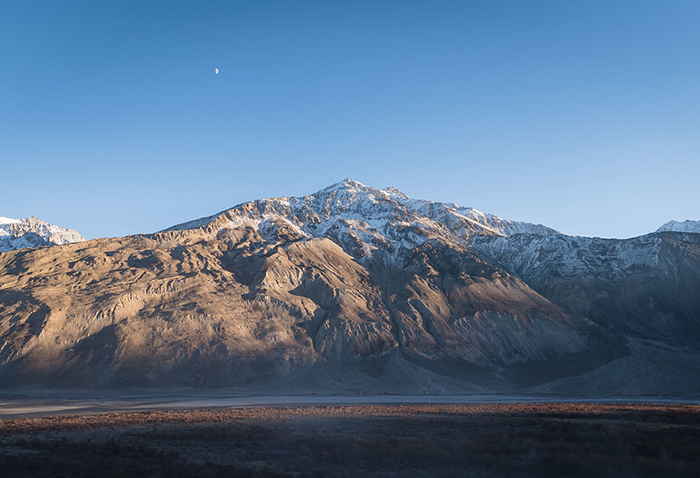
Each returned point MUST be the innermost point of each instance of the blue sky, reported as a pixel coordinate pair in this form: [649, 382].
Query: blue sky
[581, 115]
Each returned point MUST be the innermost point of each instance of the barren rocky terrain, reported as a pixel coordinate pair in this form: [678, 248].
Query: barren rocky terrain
[354, 289]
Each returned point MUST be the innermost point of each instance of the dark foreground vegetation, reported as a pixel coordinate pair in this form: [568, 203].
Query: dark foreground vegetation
[514, 440]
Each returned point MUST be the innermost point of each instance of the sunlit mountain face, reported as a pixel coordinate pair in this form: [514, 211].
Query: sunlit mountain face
[356, 289]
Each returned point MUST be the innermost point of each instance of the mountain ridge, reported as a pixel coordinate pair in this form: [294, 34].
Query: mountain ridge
[343, 204]
[677, 226]
[33, 232]
[354, 288]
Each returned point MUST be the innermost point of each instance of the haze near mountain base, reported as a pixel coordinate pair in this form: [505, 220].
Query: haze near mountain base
[356, 289]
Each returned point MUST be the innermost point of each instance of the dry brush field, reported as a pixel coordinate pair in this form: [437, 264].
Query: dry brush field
[488, 440]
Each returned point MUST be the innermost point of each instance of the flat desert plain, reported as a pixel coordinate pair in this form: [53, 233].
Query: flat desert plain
[381, 440]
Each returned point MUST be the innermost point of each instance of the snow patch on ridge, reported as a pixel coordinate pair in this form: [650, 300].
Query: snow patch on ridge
[33, 232]
[364, 220]
[571, 256]
[8, 220]
[676, 226]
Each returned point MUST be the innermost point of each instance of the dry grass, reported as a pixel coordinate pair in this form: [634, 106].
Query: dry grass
[525, 440]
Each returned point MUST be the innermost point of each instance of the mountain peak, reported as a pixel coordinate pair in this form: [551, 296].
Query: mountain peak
[677, 226]
[366, 222]
[33, 232]
[355, 191]
[347, 184]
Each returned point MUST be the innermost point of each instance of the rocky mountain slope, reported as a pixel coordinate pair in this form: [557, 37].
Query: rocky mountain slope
[645, 289]
[352, 289]
[648, 286]
[33, 232]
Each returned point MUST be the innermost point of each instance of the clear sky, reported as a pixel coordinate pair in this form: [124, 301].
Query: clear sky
[581, 115]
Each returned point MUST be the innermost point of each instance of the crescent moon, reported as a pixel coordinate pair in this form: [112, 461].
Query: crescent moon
[216, 71]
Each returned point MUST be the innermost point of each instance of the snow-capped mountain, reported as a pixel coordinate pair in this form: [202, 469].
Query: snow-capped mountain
[647, 285]
[356, 288]
[365, 220]
[33, 232]
[685, 226]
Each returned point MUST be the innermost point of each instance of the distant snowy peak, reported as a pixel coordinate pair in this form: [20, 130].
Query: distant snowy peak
[685, 226]
[364, 220]
[33, 232]
[7, 220]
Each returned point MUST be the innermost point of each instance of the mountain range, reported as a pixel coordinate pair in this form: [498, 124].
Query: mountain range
[356, 289]
[33, 232]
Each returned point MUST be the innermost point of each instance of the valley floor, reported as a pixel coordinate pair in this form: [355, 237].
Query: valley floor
[50, 403]
[381, 440]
